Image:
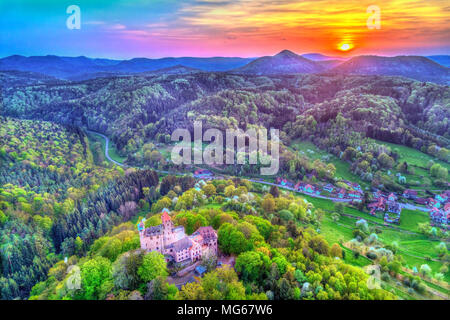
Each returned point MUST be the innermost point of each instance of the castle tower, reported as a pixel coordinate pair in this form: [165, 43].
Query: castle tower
[168, 234]
[141, 228]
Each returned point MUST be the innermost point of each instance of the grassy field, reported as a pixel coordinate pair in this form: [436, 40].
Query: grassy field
[417, 159]
[361, 261]
[411, 218]
[415, 248]
[412, 156]
[342, 168]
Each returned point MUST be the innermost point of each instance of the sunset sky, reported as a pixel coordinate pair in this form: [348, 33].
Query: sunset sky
[246, 28]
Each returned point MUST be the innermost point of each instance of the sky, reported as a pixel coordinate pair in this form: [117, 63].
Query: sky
[124, 29]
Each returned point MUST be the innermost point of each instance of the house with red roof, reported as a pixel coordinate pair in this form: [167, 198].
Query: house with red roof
[342, 193]
[447, 208]
[202, 173]
[378, 194]
[379, 205]
[433, 203]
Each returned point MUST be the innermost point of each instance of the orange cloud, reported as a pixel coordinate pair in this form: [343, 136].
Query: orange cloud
[320, 25]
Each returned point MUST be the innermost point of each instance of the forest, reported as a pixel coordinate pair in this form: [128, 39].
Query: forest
[68, 215]
[51, 189]
[279, 255]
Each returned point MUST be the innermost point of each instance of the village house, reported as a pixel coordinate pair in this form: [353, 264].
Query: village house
[311, 189]
[298, 185]
[389, 219]
[394, 207]
[377, 194]
[173, 242]
[439, 217]
[422, 201]
[354, 186]
[392, 197]
[379, 205]
[447, 208]
[410, 194]
[203, 174]
[354, 194]
[433, 203]
[341, 193]
[441, 197]
[329, 187]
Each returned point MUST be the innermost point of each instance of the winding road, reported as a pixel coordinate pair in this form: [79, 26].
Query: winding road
[403, 205]
[107, 148]
[114, 161]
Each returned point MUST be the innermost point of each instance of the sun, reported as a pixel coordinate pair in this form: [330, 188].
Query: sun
[345, 46]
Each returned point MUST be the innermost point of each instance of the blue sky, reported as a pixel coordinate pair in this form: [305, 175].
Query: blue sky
[157, 28]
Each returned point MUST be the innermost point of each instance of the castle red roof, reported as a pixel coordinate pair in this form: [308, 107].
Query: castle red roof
[165, 217]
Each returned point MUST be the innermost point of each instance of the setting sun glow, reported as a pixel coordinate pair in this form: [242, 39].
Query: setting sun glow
[345, 47]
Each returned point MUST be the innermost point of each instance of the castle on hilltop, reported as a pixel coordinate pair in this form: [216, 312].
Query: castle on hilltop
[173, 242]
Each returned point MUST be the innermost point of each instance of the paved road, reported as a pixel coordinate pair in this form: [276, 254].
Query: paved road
[114, 161]
[413, 207]
[107, 148]
[403, 205]
[309, 194]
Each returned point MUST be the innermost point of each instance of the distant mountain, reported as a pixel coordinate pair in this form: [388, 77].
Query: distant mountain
[320, 57]
[60, 67]
[328, 64]
[206, 64]
[178, 69]
[414, 67]
[442, 60]
[285, 62]
[14, 78]
[79, 68]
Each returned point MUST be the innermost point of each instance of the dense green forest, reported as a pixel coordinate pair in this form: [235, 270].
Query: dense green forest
[61, 198]
[49, 185]
[135, 109]
[279, 255]
[338, 113]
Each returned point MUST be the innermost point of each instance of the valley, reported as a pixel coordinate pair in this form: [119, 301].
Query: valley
[85, 162]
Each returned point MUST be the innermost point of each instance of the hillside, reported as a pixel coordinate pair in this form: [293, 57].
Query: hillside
[393, 109]
[60, 197]
[441, 59]
[285, 62]
[81, 68]
[321, 57]
[414, 67]
[178, 69]
[13, 78]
